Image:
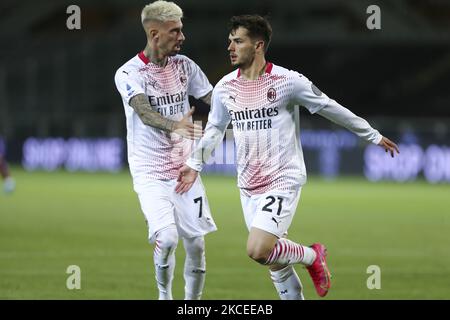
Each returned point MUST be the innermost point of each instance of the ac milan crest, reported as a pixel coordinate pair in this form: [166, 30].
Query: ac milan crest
[271, 95]
[183, 79]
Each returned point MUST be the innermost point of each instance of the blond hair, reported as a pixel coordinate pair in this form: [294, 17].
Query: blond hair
[161, 11]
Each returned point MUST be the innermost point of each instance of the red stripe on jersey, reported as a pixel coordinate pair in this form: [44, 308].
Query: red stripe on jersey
[142, 56]
[269, 67]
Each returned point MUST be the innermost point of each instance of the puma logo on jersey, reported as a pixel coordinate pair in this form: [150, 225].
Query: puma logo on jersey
[274, 220]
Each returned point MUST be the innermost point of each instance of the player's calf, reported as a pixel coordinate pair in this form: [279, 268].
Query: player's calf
[166, 241]
[287, 283]
[260, 244]
[194, 267]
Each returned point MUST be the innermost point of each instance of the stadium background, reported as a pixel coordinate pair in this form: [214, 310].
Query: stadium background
[63, 125]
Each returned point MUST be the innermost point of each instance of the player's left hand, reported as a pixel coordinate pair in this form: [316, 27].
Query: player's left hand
[186, 178]
[388, 145]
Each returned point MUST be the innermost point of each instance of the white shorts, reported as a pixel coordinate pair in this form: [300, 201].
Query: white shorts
[163, 207]
[271, 211]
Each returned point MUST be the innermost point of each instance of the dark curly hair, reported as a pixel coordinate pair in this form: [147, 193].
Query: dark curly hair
[257, 27]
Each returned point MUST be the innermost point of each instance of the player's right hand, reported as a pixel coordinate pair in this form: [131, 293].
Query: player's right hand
[186, 128]
[186, 178]
[388, 145]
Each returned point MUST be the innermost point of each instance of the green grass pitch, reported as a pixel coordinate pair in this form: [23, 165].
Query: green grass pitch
[54, 220]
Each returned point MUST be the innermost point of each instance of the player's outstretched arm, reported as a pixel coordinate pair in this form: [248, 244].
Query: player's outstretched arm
[340, 115]
[149, 117]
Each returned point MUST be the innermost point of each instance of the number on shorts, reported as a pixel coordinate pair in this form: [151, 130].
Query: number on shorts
[201, 205]
[271, 202]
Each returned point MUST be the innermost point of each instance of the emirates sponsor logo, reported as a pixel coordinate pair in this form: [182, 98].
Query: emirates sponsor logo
[157, 101]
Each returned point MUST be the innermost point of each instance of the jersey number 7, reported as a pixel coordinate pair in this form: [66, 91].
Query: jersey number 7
[199, 199]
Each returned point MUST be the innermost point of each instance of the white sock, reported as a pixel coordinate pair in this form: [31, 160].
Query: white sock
[194, 267]
[287, 283]
[288, 252]
[164, 260]
[164, 278]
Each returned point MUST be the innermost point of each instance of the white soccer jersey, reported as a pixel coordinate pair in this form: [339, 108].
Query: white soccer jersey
[263, 112]
[153, 153]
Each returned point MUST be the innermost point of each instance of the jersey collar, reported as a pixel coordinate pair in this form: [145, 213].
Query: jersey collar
[146, 60]
[269, 66]
[143, 58]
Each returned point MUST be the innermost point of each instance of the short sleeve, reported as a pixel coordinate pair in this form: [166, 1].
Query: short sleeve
[129, 84]
[218, 115]
[307, 94]
[199, 85]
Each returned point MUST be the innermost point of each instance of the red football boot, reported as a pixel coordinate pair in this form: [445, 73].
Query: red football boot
[318, 271]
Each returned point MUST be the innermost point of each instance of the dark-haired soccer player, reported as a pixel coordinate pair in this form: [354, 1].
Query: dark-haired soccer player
[260, 100]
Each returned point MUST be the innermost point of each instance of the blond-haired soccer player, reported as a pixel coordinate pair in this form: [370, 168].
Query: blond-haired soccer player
[260, 100]
[155, 86]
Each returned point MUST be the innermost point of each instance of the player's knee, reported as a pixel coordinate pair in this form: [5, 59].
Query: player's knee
[259, 254]
[194, 246]
[166, 240]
